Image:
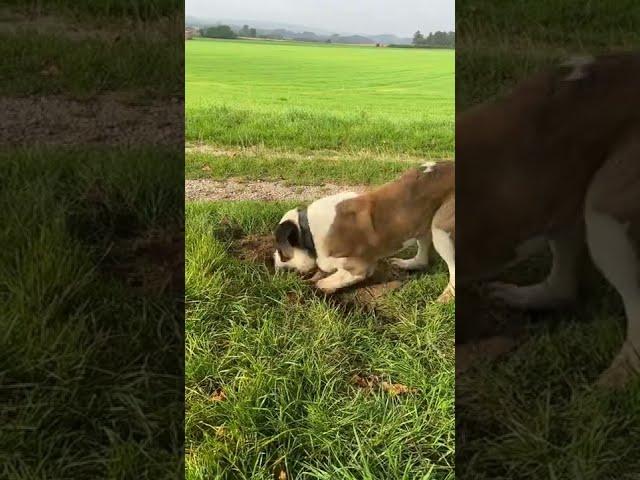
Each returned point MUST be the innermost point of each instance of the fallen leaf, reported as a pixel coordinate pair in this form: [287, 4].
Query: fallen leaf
[50, 71]
[206, 168]
[218, 395]
[371, 382]
[396, 388]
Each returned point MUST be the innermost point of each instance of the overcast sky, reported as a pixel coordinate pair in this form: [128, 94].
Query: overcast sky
[402, 17]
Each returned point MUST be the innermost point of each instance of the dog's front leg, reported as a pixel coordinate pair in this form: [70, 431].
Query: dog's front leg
[560, 286]
[339, 279]
[421, 259]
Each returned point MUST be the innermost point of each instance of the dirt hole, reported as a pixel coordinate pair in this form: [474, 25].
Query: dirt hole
[485, 330]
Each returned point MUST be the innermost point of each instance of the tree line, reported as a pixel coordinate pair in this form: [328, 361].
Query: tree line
[225, 31]
[435, 39]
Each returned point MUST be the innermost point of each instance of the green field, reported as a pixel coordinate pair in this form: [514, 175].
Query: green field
[307, 97]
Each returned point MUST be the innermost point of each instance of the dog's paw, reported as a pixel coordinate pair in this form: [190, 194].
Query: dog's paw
[505, 292]
[326, 285]
[531, 297]
[407, 264]
[624, 368]
[447, 295]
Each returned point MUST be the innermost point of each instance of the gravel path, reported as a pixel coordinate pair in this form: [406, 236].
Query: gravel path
[208, 190]
[104, 120]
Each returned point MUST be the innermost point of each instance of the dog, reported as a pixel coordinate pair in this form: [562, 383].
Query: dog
[557, 160]
[347, 234]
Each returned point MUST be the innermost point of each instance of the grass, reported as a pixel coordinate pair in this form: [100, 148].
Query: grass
[58, 65]
[140, 10]
[269, 367]
[534, 414]
[297, 169]
[90, 385]
[308, 97]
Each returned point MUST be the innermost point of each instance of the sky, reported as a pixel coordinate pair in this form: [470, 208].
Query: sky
[401, 17]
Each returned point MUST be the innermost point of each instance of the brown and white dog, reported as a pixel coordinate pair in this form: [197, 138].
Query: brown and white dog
[345, 235]
[557, 160]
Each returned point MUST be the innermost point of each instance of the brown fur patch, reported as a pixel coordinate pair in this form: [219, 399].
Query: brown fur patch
[375, 224]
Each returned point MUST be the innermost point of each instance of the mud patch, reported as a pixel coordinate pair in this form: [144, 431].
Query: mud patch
[152, 262]
[255, 249]
[368, 294]
[485, 330]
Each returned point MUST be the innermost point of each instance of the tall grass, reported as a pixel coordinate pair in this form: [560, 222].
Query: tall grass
[284, 359]
[89, 382]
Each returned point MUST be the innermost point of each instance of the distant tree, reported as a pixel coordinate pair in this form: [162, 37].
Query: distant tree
[219, 31]
[252, 32]
[328, 40]
[417, 38]
[244, 31]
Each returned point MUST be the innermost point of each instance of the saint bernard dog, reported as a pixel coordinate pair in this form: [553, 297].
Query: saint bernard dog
[342, 237]
[557, 161]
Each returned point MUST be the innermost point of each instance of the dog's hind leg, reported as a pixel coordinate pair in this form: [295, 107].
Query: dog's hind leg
[443, 231]
[421, 259]
[560, 286]
[612, 217]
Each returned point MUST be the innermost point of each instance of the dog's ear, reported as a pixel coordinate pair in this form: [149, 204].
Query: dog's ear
[287, 237]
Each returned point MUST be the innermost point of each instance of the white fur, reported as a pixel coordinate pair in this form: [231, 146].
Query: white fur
[428, 166]
[613, 252]
[421, 259]
[445, 247]
[558, 288]
[578, 64]
[320, 214]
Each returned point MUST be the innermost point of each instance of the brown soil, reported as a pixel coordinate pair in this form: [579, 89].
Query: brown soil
[104, 120]
[152, 261]
[211, 190]
[488, 331]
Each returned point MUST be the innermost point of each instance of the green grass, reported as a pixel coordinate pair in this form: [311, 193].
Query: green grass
[309, 97]
[297, 170]
[284, 358]
[142, 10]
[534, 414]
[499, 42]
[89, 382]
[55, 64]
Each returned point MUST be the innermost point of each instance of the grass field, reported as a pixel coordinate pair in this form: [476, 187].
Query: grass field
[270, 365]
[534, 413]
[276, 374]
[91, 284]
[307, 97]
[89, 383]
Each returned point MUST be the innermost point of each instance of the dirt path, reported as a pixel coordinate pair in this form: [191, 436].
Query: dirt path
[105, 119]
[208, 190]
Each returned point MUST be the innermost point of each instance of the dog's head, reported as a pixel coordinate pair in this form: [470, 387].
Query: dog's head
[295, 249]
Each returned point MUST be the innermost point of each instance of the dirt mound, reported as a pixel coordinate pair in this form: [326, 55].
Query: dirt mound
[255, 249]
[485, 330]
